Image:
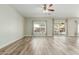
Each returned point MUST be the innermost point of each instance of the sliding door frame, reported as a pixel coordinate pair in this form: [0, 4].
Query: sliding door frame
[66, 27]
[38, 21]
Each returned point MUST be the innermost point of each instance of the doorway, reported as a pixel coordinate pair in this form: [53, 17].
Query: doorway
[39, 28]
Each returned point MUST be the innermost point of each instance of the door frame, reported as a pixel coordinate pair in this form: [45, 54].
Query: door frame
[66, 27]
[38, 21]
[76, 28]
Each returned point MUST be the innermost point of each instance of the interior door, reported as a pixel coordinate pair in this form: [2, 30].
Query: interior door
[39, 28]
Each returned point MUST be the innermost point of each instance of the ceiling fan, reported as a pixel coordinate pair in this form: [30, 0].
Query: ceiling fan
[48, 8]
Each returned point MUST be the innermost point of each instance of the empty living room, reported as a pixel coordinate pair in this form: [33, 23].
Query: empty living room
[39, 29]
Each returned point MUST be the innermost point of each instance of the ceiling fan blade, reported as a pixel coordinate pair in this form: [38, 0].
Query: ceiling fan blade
[50, 8]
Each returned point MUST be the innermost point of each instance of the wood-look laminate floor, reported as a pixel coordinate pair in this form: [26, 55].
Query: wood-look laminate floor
[58, 45]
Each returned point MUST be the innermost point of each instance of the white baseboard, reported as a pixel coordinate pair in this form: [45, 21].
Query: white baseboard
[39, 36]
[12, 41]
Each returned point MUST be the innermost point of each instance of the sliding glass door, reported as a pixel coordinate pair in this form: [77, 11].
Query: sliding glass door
[39, 28]
[59, 27]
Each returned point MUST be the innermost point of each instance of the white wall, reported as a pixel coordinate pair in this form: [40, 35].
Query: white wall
[72, 26]
[28, 25]
[11, 25]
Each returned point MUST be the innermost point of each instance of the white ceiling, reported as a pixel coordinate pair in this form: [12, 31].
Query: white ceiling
[35, 10]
